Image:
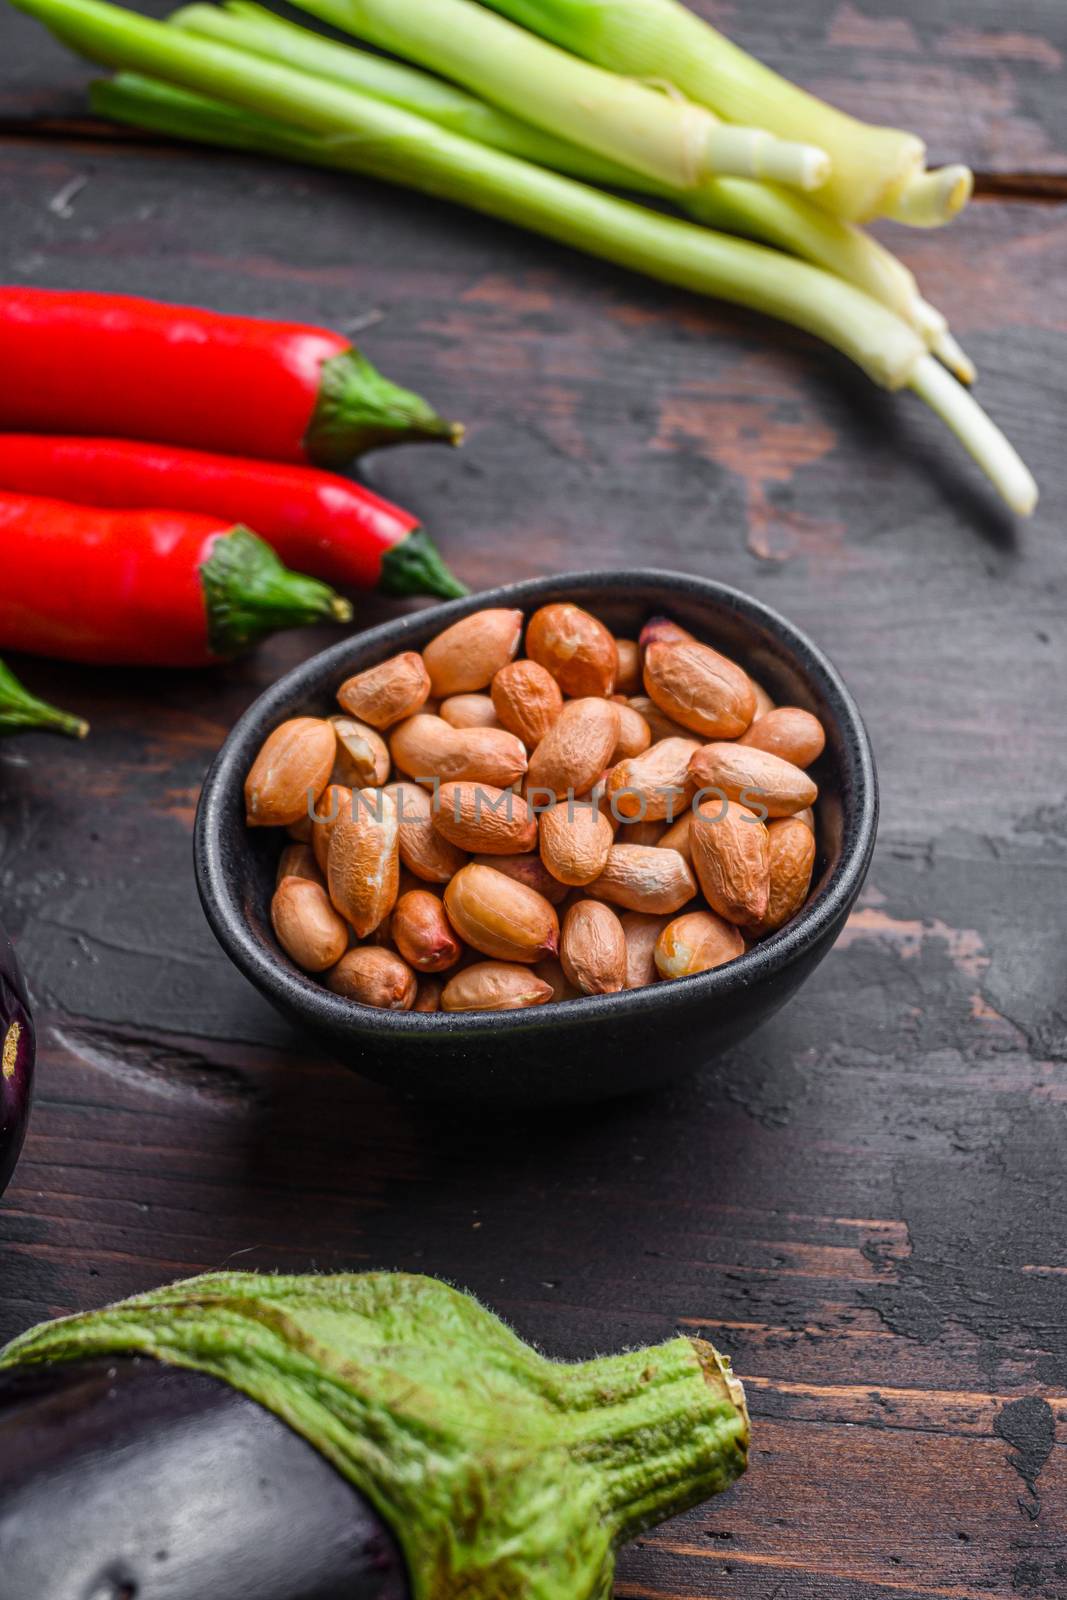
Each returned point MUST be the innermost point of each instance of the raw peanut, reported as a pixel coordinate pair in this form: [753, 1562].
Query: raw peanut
[635, 734]
[732, 861]
[467, 654]
[699, 688]
[628, 676]
[641, 932]
[592, 948]
[469, 711]
[362, 755]
[427, 748]
[293, 761]
[551, 972]
[640, 832]
[789, 732]
[575, 840]
[576, 749]
[333, 800]
[655, 785]
[363, 867]
[530, 870]
[792, 857]
[660, 727]
[384, 694]
[661, 630]
[374, 977]
[754, 777]
[527, 700]
[695, 943]
[677, 837]
[644, 878]
[764, 703]
[422, 849]
[427, 995]
[807, 817]
[500, 917]
[306, 924]
[479, 817]
[298, 861]
[577, 650]
[494, 986]
[422, 933]
[300, 830]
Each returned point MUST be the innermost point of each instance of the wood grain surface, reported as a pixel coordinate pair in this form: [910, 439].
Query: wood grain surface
[866, 1204]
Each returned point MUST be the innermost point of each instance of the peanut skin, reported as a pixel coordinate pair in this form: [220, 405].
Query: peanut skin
[306, 924]
[500, 917]
[696, 686]
[294, 761]
[576, 749]
[481, 818]
[696, 943]
[575, 648]
[465, 656]
[422, 933]
[527, 700]
[495, 986]
[363, 865]
[644, 878]
[374, 977]
[592, 948]
[388, 692]
[789, 732]
[732, 862]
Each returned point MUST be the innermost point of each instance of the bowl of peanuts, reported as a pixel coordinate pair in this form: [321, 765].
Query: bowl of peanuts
[555, 842]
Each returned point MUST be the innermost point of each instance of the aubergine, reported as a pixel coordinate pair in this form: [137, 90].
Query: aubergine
[376, 1436]
[130, 1478]
[17, 1052]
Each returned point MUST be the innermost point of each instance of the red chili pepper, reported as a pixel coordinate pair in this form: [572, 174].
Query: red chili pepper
[154, 588]
[317, 521]
[113, 364]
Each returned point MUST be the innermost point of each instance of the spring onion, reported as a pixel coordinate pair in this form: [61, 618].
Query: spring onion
[767, 212]
[658, 134]
[875, 171]
[384, 141]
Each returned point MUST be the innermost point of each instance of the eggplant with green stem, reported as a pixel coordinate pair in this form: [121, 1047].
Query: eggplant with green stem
[384, 141]
[875, 171]
[473, 1466]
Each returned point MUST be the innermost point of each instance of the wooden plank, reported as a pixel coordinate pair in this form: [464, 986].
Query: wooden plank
[864, 1203]
[979, 86]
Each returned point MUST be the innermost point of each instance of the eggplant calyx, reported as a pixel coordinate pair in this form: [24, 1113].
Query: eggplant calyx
[500, 1472]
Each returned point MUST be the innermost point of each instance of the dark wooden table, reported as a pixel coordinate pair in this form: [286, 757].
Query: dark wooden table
[867, 1204]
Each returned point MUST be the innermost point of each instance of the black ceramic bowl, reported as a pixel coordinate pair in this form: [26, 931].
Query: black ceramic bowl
[581, 1049]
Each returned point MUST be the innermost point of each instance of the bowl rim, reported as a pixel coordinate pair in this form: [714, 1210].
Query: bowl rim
[295, 990]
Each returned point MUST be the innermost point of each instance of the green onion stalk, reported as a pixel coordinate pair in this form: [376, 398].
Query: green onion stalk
[664, 136]
[768, 212]
[386, 142]
[876, 171]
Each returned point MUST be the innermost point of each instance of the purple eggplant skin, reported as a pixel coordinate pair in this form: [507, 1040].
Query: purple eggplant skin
[132, 1480]
[17, 1051]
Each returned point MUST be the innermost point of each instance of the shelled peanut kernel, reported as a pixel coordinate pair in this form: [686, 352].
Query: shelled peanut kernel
[543, 829]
